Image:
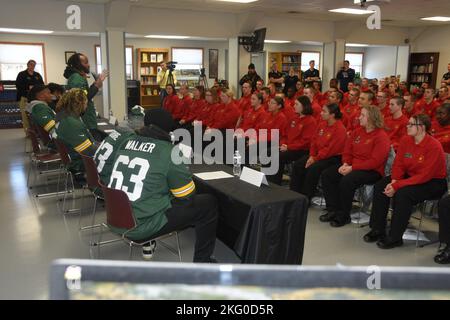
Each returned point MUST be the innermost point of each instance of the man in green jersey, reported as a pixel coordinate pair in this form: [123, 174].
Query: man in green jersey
[77, 74]
[162, 193]
[105, 154]
[41, 114]
[71, 130]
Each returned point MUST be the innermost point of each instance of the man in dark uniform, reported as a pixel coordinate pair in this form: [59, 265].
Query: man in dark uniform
[252, 77]
[446, 77]
[27, 79]
[345, 76]
[312, 74]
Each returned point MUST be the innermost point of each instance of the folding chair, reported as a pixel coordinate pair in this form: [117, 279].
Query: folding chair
[39, 157]
[65, 159]
[119, 215]
[92, 184]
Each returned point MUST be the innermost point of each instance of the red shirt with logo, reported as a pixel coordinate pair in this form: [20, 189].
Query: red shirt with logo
[396, 129]
[428, 108]
[367, 150]
[252, 118]
[418, 163]
[329, 140]
[194, 110]
[244, 104]
[300, 132]
[441, 134]
[173, 104]
[272, 121]
[225, 116]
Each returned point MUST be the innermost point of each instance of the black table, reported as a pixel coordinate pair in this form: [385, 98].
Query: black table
[262, 225]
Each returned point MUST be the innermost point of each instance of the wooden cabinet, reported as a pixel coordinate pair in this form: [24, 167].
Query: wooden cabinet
[148, 68]
[423, 67]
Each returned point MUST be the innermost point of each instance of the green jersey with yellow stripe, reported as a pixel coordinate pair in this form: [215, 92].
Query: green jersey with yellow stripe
[74, 134]
[76, 80]
[105, 154]
[43, 115]
[144, 170]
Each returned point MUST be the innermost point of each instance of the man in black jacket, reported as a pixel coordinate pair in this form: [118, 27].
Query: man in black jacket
[252, 77]
[27, 79]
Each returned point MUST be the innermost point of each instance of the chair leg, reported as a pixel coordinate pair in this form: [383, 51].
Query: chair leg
[131, 251]
[178, 246]
[420, 228]
[81, 209]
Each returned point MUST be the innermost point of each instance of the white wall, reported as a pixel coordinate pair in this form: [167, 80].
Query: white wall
[379, 62]
[433, 39]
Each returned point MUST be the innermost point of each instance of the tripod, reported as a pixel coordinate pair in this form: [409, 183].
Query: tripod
[170, 78]
[202, 81]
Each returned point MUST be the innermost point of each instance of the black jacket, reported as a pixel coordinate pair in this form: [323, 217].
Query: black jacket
[24, 81]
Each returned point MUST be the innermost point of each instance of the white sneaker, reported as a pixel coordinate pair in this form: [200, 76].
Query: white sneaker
[148, 249]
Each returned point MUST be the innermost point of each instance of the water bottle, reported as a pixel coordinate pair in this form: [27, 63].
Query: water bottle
[237, 164]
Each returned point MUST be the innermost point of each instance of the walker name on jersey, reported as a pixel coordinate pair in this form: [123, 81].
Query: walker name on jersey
[140, 146]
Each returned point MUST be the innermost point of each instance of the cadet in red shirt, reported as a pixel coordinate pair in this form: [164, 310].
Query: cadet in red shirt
[443, 95]
[251, 118]
[440, 129]
[418, 174]
[289, 102]
[274, 119]
[185, 102]
[326, 150]
[428, 105]
[196, 106]
[317, 109]
[351, 106]
[206, 114]
[244, 102]
[409, 110]
[266, 96]
[296, 142]
[172, 103]
[364, 158]
[299, 86]
[383, 103]
[365, 99]
[227, 112]
[395, 124]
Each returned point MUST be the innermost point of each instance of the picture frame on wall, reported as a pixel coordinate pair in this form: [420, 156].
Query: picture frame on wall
[213, 63]
[68, 54]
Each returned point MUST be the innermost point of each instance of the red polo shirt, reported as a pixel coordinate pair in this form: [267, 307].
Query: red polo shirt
[300, 132]
[428, 108]
[195, 108]
[419, 162]
[329, 140]
[244, 104]
[272, 121]
[396, 129]
[441, 134]
[367, 150]
[225, 116]
[173, 104]
[251, 118]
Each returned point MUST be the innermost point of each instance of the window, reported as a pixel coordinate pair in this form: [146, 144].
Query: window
[14, 58]
[129, 70]
[356, 61]
[189, 62]
[307, 56]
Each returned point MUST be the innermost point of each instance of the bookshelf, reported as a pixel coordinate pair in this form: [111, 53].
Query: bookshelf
[286, 60]
[423, 67]
[148, 67]
[10, 114]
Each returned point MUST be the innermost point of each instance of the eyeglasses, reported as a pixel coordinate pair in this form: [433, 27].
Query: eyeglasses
[414, 124]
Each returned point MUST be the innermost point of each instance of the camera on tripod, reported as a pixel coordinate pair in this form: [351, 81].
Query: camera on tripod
[171, 65]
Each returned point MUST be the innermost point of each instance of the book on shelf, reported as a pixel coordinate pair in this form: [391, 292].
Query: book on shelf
[153, 57]
[144, 57]
[160, 57]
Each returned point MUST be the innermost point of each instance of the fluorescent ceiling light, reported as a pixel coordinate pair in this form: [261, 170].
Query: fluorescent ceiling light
[444, 19]
[351, 11]
[359, 1]
[356, 45]
[166, 37]
[277, 41]
[34, 31]
[238, 1]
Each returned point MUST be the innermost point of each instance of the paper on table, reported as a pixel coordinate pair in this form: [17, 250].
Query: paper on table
[213, 175]
[102, 123]
[108, 130]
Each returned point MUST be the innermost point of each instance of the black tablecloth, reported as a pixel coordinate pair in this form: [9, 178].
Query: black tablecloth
[262, 225]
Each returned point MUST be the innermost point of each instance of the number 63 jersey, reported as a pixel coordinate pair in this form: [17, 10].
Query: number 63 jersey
[144, 170]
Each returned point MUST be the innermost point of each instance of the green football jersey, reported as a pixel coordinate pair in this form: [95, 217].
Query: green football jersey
[74, 134]
[144, 170]
[105, 154]
[43, 116]
[90, 116]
